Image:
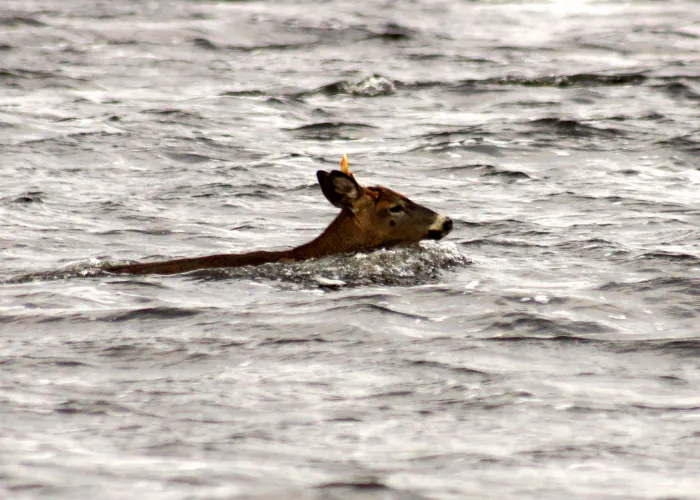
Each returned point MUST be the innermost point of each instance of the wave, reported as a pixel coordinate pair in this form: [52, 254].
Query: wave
[690, 286]
[329, 131]
[373, 86]
[692, 260]
[361, 488]
[26, 79]
[689, 143]
[28, 197]
[574, 128]
[300, 34]
[440, 366]
[537, 327]
[490, 172]
[14, 21]
[152, 313]
[689, 347]
[87, 407]
[679, 89]
[573, 80]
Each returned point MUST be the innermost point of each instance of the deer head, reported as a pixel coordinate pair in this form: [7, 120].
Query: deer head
[374, 217]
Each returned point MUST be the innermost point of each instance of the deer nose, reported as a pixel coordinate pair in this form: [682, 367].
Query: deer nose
[447, 225]
[440, 228]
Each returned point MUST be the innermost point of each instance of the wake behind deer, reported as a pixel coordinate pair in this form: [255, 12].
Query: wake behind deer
[370, 218]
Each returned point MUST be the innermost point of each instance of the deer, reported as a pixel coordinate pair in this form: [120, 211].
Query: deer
[370, 218]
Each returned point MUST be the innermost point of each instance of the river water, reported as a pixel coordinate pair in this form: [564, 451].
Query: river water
[548, 348]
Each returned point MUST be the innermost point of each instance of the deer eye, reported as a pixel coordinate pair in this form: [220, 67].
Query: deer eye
[396, 209]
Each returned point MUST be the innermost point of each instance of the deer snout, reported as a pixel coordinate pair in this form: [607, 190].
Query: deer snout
[441, 227]
[447, 225]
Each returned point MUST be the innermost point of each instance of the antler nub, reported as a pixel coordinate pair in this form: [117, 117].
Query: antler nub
[344, 165]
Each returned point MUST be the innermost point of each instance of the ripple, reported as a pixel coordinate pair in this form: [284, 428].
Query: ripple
[503, 242]
[292, 341]
[490, 172]
[456, 369]
[30, 79]
[394, 32]
[14, 21]
[328, 131]
[573, 453]
[548, 328]
[691, 260]
[30, 197]
[689, 286]
[373, 86]
[98, 407]
[680, 90]
[682, 347]
[152, 313]
[574, 128]
[189, 158]
[573, 80]
[205, 43]
[688, 142]
[365, 489]
[243, 93]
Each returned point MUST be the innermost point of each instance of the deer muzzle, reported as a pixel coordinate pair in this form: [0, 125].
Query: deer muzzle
[440, 228]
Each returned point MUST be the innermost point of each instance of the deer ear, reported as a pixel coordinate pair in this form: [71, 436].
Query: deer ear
[339, 188]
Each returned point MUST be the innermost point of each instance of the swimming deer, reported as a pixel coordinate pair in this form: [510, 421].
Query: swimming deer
[370, 218]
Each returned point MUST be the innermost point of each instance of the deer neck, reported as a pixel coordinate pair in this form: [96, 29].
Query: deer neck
[337, 238]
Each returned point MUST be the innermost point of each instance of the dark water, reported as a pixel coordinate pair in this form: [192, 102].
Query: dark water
[549, 348]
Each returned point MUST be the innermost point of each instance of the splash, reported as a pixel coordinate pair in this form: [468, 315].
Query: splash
[410, 265]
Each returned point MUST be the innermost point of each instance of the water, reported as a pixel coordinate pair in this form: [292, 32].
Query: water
[548, 348]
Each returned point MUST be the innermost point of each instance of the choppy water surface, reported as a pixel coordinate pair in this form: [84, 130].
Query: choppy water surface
[548, 348]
